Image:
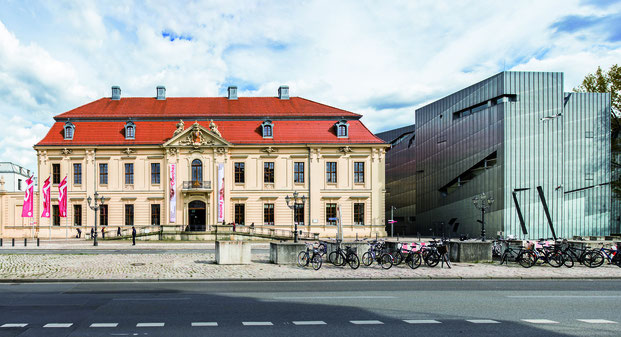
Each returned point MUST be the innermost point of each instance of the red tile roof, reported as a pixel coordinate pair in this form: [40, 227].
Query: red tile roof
[234, 131]
[204, 107]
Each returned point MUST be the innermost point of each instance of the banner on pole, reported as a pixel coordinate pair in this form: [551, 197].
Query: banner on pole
[220, 192]
[46, 198]
[173, 193]
[27, 209]
[62, 198]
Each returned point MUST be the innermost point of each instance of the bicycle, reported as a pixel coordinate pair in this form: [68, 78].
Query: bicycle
[340, 257]
[547, 252]
[610, 255]
[414, 255]
[304, 257]
[376, 253]
[519, 254]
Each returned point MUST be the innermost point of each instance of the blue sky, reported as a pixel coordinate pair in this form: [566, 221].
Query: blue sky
[379, 59]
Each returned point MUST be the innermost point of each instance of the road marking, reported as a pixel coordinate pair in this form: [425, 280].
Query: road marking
[482, 321]
[58, 325]
[152, 299]
[366, 322]
[309, 322]
[540, 321]
[421, 321]
[564, 296]
[257, 323]
[597, 321]
[331, 297]
[104, 325]
[204, 323]
[149, 325]
[14, 325]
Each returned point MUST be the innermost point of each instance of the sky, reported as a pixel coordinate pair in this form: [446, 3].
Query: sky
[381, 59]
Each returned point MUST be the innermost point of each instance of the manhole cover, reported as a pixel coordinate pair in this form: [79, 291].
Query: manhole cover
[137, 264]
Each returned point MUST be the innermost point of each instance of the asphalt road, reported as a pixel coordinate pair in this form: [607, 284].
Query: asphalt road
[343, 308]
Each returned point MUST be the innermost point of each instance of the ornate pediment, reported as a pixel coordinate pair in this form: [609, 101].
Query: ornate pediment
[197, 137]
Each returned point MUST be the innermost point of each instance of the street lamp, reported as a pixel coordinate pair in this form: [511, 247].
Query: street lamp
[291, 203]
[95, 207]
[482, 202]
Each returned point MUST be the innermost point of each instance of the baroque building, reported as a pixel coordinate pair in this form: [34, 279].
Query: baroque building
[195, 162]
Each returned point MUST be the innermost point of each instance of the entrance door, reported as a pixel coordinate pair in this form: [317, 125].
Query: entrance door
[197, 216]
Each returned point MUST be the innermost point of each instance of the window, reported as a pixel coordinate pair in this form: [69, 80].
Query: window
[268, 172]
[298, 172]
[55, 215]
[69, 130]
[299, 214]
[129, 174]
[239, 173]
[77, 174]
[103, 215]
[77, 215]
[19, 184]
[103, 174]
[155, 214]
[331, 172]
[268, 129]
[155, 173]
[130, 130]
[240, 212]
[342, 129]
[331, 214]
[268, 214]
[129, 215]
[359, 172]
[358, 213]
[197, 172]
[55, 173]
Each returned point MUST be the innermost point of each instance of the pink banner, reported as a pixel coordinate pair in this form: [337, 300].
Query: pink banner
[220, 192]
[173, 193]
[62, 198]
[27, 209]
[46, 198]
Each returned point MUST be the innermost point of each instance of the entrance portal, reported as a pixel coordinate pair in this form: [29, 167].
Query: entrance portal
[197, 216]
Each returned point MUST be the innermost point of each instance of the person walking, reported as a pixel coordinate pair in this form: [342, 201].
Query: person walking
[92, 234]
[79, 233]
[118, 231]
[103, 232]
[133, 236]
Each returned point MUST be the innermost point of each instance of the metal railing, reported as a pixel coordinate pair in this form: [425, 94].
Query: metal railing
[197, 185]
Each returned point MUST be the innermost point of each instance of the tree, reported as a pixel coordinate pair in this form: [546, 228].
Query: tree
[609, 81]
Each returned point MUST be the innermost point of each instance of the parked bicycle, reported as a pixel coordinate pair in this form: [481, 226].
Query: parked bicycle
[518, 254]
[377, 252]
[310, 255]
[341, 257]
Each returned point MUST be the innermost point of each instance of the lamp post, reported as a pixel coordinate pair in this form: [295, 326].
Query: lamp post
[95, 207]
[482, 202]
[291, 203]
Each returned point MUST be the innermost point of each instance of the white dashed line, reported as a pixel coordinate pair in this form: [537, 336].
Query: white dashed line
[540, 321]
[421, 321]
[257, 323]
[149, 325]
[482, 321]
[366, 322]
[597, 321]
[204, 323]
[58, 325]
[14, 325]
[104, 325]
[309, 322]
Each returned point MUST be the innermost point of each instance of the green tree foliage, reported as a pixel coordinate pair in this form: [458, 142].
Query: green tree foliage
[609, 81]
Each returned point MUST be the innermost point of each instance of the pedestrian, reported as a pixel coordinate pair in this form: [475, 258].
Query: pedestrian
[252, 225]
[92, 234]
[118, 231]
[79, 233]
[233, 226]
[133, 236]
[103, 232]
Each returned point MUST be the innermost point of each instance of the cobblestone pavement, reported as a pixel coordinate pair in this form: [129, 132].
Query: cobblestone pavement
[202, 266]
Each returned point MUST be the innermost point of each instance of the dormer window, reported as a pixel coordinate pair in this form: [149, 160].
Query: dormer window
[69, 130]
[342, 129]
[130, 130]
[268, 129]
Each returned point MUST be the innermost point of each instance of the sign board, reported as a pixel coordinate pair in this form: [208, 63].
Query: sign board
[332, 219]
[220, 192]
[392, 221]
[173, 193]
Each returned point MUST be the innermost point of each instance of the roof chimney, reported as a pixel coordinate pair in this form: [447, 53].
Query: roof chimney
[161, 92]
[283, 92]
[232, 92]
[116, 93]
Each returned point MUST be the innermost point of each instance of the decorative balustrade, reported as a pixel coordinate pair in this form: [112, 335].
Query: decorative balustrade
[197, 185]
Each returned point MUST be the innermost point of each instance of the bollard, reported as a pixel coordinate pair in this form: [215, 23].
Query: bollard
[25, 242]
[37, 242]
[356, 237]
[418, 233]
[397, 237]
[0, 242]
[13, 242]
[375, 236]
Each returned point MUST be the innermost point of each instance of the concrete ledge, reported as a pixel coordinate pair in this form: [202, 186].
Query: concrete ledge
[359, 246]
[233, 252]
[285, 252]
[471, 251]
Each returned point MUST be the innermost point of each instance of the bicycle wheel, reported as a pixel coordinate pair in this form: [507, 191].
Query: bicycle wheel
[333, 258]
[303, 259]
[432, 259]
[414, 260]
[555, 259]
[568, 261]
[595, 259]
[340, 259]
[353, 260]
[526, 259]
[317, 261]
[503, 258]
[385, 261]
[367, 259]
[397, 258]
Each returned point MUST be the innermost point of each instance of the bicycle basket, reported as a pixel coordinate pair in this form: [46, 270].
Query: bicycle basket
[442, 249]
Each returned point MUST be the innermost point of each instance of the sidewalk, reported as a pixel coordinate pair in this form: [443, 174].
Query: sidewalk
[197, 266]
